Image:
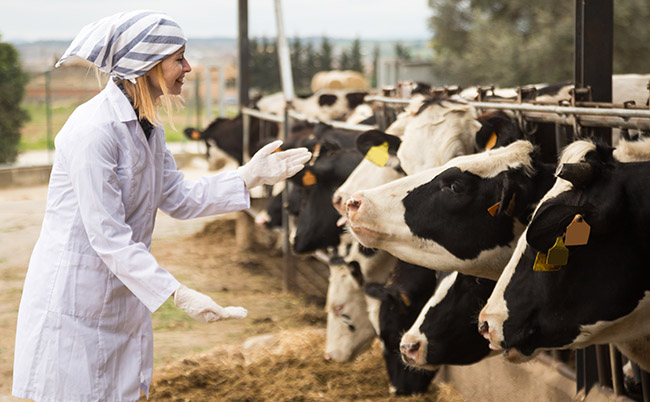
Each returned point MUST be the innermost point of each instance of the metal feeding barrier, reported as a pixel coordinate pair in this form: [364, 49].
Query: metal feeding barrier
[600, 363]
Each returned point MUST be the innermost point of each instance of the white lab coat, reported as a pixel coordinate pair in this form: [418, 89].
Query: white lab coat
[84, 325]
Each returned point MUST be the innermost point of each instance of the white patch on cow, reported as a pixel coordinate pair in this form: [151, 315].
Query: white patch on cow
[637, 350]
[490, 163]
[495, 311]
[624, 329]
[450, 126]
[359, 114]
[414, 335]
[633, 151]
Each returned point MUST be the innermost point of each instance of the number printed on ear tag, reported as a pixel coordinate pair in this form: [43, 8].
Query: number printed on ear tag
[378, 154]
[308, 179]
[558, 254]
[577, 233]
[541, 265]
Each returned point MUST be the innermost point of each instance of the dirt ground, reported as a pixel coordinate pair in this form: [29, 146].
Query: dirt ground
[273, 354]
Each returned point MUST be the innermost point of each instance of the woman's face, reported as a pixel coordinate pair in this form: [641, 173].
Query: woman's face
[174, 68]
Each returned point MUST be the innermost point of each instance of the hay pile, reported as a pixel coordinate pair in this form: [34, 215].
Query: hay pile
[287, 366]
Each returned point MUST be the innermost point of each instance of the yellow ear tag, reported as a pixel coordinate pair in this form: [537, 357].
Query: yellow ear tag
[492, 141]
[308, 179]
[541, 265]
[378, 154]
[577, 233]
[558, 254]
[494, 208]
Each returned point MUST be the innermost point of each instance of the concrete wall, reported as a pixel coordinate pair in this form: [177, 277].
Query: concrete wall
[495, 379]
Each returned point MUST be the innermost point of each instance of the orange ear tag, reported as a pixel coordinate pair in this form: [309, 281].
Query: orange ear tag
[196, 135]
[577, 233]
[494, 208]
[378, 154]
[541, 265]
[558, 254]
[405, 299]
[308, 179]
[492, 141]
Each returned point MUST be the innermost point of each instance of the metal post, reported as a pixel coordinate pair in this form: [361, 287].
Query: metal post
[208, 95]
[594, 49]
[246, 124]
[222, 91]
[617, 370]
[197, 100]
[243, 77]
[48, 114]
[586, 369]
[289, 272]
[603, 363]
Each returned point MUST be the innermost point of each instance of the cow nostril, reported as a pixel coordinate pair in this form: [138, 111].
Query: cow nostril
[483, 328]
[353, 204]
[410, 348]
[327, 356]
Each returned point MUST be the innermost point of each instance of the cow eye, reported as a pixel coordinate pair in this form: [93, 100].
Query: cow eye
[455, 187]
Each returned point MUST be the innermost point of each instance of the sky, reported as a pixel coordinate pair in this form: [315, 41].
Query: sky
[32, 20]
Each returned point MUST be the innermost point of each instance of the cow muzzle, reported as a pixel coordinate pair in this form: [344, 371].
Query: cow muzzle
[413, 350]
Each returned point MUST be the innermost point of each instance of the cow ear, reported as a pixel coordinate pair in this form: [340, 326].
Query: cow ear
[512, 199]
[376, 291]
[549, 222]
[372, 138]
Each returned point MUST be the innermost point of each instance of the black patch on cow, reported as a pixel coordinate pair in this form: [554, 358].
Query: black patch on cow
[410, 288]
[327, 100]
[372, 138]
[367, 251]
[506, 129]
[450, 326]
[453, 206]
[355, 99]
[355, 270]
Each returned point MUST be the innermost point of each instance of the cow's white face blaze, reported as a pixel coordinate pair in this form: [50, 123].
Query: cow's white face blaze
[414, 343]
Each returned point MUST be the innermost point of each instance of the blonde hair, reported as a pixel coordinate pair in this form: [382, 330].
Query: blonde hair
[145, 103]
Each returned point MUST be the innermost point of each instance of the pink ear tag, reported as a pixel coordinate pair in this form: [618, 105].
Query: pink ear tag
[577, 233]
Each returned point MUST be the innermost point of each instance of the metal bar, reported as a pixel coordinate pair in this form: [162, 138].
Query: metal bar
[616, 365]
[645, 385]
[260, 115]
[222, 91]
[283, 55]
[246, 135]
[242, 42]
[289, 266]
[603, 366]
[626, 113]
[336, 124]
[208, 95]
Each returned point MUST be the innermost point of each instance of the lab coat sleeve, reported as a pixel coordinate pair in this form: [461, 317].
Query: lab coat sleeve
[92, 165]
[210, 195]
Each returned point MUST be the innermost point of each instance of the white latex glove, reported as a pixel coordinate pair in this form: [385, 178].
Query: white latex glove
[266, 167]
[202, 308]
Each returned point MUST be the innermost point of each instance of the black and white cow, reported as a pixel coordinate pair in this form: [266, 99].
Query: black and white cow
[445, 331]
[595, 285]
[407, 290]
[227, 135]
[464, 216]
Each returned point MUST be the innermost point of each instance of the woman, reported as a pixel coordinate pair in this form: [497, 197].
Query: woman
[84, 326]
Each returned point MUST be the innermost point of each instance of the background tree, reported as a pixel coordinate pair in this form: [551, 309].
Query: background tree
[402, 52]
[356, 57]
[516, 42]
[325, 57]
[12, 90]
[375, 66]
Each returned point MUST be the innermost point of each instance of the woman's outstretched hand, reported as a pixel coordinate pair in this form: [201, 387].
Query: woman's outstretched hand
[202, 308]
[269, 167]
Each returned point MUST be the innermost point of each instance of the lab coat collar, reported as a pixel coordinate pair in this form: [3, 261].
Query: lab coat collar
[120, 103]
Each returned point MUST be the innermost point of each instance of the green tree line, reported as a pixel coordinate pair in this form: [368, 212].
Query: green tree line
[306, 60]
[515, 42]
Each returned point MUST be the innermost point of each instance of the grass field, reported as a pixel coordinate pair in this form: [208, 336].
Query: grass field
[71, 87]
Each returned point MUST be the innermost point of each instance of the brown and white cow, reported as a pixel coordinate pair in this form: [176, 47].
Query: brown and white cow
[579, 275]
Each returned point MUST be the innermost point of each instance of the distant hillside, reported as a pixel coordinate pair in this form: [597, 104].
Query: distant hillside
[39, 55]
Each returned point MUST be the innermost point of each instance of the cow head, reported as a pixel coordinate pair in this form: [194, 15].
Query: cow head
[349, 331]
[445, 330]
[568, 288]
[401, 299]
[465, 215]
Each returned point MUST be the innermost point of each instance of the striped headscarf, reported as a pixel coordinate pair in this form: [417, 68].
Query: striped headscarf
[129, 44]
